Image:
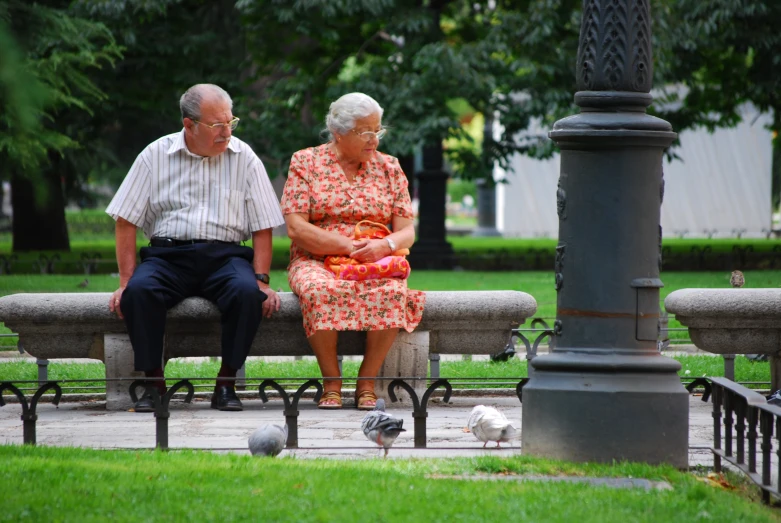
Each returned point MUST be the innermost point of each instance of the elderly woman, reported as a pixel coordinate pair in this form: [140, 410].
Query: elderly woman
[329, 190]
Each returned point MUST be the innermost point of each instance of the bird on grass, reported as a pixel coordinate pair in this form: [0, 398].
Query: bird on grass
[489, 424]
[737, 280]
[83, 285]
[381, 428]
[268, 440]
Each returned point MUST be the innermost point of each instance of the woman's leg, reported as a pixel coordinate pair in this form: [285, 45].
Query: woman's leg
[324, 346]
[378, 343]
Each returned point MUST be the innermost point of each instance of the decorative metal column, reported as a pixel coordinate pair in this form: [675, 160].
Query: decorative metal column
[432, 250]
[605, 392]
[486, 209]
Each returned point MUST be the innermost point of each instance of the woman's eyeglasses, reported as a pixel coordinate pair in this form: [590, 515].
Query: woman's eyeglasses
[368, 135]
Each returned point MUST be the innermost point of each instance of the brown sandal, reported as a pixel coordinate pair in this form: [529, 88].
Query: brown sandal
[365, 400]
[330, 396]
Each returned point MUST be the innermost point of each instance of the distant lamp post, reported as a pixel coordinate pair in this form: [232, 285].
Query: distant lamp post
[486, 209]
[605, 392]
[431, 249]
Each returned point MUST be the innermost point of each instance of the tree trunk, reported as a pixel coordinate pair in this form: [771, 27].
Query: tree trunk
[39, 213]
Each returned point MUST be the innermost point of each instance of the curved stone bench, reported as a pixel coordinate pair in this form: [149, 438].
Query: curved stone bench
[732, 321]
[80, 325]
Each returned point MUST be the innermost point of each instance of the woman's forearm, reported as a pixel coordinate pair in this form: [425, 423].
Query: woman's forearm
[403, 234]
[314, 239]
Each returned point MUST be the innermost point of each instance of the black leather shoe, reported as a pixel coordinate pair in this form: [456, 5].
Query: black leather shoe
[224, 398]
[146, 403]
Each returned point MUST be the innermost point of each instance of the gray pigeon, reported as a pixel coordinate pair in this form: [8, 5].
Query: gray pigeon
[488, 424]
[381, 428]
[84, 284]
[268, 440]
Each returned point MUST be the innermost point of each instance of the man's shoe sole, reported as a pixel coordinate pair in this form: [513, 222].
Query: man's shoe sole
[228, 408]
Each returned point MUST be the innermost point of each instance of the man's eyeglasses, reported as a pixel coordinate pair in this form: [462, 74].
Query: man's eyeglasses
[368, 135]
[219, 126]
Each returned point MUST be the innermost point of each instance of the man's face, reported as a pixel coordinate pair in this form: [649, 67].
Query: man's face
[204, 140]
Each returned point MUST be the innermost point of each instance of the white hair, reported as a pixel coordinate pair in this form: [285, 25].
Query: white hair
[190, 102]
[347, 109]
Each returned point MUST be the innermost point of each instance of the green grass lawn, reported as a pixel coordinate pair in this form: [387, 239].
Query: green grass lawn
[503, 374]
[65, 484]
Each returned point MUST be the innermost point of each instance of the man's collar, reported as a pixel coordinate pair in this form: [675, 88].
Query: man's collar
[179, 143]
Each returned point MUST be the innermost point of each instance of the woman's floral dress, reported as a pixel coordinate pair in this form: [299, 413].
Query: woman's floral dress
[317, 186]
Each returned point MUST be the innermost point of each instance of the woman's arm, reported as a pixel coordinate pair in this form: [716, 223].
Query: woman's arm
[314, 239]
[403, 236]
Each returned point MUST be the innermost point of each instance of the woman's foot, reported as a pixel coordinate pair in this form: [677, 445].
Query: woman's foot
[365, 399]
[330, 400]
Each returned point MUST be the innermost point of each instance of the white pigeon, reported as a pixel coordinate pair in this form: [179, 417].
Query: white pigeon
[381, 428]
[268, 440]
[489, 424]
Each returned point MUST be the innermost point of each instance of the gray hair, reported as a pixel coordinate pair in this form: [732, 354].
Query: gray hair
[350, 107]
[190, 102]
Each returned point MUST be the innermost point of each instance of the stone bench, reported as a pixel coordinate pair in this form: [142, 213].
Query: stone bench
[52, 326]
[732, 321]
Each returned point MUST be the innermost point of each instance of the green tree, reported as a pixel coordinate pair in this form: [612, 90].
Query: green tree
[46, 56]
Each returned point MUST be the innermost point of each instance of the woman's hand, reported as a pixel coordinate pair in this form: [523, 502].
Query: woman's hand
[369, 251]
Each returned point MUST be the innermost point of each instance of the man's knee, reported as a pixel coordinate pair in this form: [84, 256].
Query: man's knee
[139, 292]
[247, 292]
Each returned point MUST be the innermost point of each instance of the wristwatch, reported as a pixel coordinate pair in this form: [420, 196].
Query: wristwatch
[391, 244]
[262, 278]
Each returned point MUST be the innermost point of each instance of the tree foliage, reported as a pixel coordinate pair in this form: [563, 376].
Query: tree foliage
[45, 60]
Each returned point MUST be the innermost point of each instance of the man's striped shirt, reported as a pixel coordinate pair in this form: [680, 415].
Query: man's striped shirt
[173, 193]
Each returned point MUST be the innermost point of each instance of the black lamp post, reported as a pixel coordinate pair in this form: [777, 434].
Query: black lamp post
[605, 392]
[432, 250]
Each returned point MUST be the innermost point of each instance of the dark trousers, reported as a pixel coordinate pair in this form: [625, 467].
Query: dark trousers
[221, 273]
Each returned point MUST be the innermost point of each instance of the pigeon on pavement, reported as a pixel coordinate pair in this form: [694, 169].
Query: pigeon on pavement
[488, 424]
[268, 440]
[381, 428]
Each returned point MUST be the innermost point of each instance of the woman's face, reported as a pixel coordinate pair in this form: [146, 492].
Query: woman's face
[357, 147]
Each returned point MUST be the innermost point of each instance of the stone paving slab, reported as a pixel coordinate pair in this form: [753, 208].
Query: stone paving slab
[322, 433]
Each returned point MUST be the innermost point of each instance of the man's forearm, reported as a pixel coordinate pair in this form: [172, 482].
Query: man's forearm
[126, 250]
[261, 246]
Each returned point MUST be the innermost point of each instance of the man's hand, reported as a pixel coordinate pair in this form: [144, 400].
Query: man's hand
[369, 251]
[113, 302]
[272, 303]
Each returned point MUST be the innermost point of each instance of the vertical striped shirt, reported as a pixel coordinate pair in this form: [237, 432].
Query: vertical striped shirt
[173, 193]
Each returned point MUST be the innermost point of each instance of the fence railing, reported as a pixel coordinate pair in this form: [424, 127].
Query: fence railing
[742, 411]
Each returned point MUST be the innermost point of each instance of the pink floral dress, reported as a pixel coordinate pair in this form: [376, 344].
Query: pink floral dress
[317, 186]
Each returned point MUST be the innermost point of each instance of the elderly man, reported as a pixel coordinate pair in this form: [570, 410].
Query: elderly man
[196, 194]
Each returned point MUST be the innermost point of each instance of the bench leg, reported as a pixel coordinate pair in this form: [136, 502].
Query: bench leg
[43, 371]
[118, 354]
[775, 372]
[408, 357]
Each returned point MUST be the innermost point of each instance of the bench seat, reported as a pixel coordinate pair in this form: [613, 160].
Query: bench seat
[79, 325]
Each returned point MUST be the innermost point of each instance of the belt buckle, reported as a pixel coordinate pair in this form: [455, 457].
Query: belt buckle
[165, 242]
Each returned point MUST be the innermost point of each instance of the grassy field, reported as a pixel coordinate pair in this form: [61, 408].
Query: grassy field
[63, 484]
[462, 373]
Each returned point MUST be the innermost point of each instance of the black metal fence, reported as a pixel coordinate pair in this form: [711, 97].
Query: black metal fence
[742, 411]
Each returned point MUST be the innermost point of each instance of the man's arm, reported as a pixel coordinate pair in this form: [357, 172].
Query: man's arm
[261, 262]
[126, 260]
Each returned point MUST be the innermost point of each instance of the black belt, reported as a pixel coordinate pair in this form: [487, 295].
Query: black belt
[173, 242]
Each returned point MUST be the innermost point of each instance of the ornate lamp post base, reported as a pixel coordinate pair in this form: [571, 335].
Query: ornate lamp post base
[606, 408]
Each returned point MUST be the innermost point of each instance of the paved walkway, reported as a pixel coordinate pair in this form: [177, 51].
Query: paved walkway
[322, 433]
